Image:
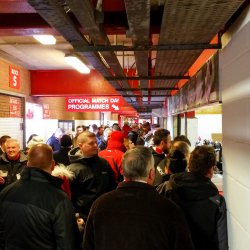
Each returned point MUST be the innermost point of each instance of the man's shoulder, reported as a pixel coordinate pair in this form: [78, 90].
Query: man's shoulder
[102, 161]
[163, 203]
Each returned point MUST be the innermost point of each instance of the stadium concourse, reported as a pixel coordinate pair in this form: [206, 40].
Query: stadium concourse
[113, 117]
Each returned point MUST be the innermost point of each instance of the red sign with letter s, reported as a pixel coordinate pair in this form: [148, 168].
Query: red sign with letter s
[14, 78]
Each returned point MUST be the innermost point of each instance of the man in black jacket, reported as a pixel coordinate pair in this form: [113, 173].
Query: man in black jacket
[13, 161]
[134, 216]
[94, 176]
[61, 156]
[162, 144]
[132, 134]
[35, 212]
[203, 206]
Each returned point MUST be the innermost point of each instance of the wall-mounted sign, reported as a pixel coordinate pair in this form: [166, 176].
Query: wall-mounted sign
[200, 90]
[45, 111]
[92, 104]
[14, 78]
[15, 107]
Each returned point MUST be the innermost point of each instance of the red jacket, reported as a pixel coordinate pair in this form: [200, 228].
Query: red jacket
[125, 131]
[113, 154]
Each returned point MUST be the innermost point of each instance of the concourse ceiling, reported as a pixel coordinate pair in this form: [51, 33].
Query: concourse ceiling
[126, 22]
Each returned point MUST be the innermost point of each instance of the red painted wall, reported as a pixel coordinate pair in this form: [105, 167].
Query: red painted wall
[69, 82]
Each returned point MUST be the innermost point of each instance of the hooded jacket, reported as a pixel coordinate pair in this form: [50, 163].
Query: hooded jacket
[204, 208]
[114, 153]
[159, 166]
[126, 129]
[36, 214]
[66, 175]
[13, 171]
[93, 177]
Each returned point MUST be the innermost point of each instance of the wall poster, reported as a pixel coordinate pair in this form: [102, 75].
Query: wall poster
[201, 89]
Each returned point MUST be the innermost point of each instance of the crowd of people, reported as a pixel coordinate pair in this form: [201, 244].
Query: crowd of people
[110, 188]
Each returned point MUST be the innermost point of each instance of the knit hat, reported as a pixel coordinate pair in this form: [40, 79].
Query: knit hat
[117, 136]
[34, 141]
[66, 141]
[116, 141]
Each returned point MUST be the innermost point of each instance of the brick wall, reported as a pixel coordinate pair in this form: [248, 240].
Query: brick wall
[56, 104]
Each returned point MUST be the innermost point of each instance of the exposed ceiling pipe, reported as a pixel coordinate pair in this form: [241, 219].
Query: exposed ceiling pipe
[99, 14]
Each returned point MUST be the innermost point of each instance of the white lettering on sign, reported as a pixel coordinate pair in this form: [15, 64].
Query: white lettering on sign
[14, 72]
[14, 80]
[90, 106]
[46, 106]
[114, 100]
[100, 100]
[78, 101]
[14, 101]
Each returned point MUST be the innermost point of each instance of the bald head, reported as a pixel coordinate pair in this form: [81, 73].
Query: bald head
[41, 156]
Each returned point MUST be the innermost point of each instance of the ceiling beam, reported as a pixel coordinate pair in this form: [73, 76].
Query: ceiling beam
[138, 16]
[148, 89]
[84, 11]
[146, 78]
[146, 102]
[200, 46]
[146, 96]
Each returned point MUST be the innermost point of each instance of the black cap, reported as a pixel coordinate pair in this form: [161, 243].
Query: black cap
[66, 141]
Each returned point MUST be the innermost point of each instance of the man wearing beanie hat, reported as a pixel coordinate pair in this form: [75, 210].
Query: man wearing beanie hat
[61, 156]
[113, 154]
[34, 141]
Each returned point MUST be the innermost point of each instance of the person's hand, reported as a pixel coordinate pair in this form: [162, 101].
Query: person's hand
[80, 223]
[2, 180]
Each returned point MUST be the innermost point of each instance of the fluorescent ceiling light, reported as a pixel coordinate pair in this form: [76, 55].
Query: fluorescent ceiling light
[77, 64]
[45, 39]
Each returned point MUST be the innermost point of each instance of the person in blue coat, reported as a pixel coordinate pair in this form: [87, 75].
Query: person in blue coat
[54, 140]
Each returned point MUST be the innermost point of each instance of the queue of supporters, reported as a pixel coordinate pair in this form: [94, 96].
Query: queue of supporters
[110, 188]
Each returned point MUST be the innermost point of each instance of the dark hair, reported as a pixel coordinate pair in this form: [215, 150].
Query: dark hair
[182, 138]
[31, 136]
[66, 141]
[161, 135]
[202, 159]
[145, 125]
[176, 162]
[3, 139]
[154, 126]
